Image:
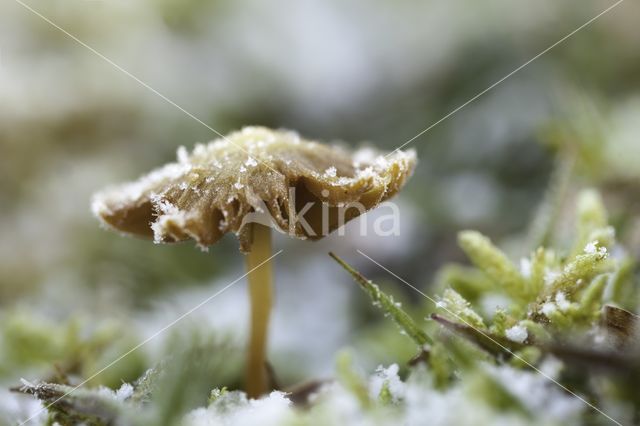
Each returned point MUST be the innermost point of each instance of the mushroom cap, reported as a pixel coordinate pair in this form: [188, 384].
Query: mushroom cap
[303, 188]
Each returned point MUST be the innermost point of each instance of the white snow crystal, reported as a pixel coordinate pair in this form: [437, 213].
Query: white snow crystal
[183, 155]
[106, 392]
[539, 395]
[562, 302]
[437, 408]
[551, 276]
[548, 308]
[591, 248]
[164, 206]
[164, 222]
[364, 156]
[381, 162]
[200, 150]
[387, 377]
[366, 173]
[238, 185]
[525, 267]
[330, 172]
[343, 180]
[99, 206]
[517, 334]
[251, 162]
[125, 392]
[273, 409]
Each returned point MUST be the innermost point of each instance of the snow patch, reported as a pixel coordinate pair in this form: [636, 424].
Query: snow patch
[124, 392]
[562, 302]
[387, 377]
[525, 267]
[548, 308]
[234, 409]
[592, 248]
[330, 172]
[183, 155]
[551, 276]
[517, 334]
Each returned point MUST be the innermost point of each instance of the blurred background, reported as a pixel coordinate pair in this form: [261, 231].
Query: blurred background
[75, 296]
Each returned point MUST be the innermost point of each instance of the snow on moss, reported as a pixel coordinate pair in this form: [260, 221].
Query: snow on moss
[386, 380]
[562, 302]
[592, 248]
[234, 408]
[548, 309]
[123, 393]
[517, 334]
[547, 401]
[525, 267]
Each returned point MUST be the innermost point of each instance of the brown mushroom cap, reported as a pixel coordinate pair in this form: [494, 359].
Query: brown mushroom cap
[212, 191]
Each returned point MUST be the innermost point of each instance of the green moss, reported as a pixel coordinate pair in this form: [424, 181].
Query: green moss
[493, 262]
[388, 306]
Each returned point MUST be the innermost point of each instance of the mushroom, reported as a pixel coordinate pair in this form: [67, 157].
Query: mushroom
[246, 183]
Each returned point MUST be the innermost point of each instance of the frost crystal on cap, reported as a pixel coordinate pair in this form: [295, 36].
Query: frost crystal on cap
[300, 185]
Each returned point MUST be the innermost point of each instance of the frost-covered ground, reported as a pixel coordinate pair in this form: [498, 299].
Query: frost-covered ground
[523, 361]
[394, 401]
[390, 401]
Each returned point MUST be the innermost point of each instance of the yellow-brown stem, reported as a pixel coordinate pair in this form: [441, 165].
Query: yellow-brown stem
[260, 292]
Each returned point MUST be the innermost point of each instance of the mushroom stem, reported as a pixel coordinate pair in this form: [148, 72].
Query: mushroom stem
[260, 293]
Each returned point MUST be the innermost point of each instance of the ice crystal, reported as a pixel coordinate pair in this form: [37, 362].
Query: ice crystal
[330, 172]
[548, 309]
[562, 302]
[517, 334]
[234, 409]
[387, 380]
[591, 248]
[525, 267]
